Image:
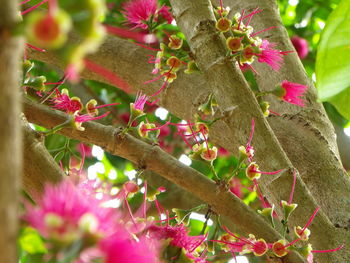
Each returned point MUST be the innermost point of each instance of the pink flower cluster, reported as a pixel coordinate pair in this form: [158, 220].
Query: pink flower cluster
[143, 13]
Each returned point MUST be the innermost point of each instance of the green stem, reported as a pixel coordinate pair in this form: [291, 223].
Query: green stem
[262, 93]
[57, 128]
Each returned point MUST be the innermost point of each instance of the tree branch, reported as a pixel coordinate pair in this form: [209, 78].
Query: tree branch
[10, 136]
[197, 21]
[153, 158]
[39, 166]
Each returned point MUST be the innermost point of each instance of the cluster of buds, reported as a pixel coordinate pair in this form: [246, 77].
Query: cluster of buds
[171, 58]
[243, 44]
[50, 29]
[74, 107]
[34, 82]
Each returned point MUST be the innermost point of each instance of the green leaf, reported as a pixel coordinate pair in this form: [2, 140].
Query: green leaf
[31, 242]
[341, 103]
[333, 57]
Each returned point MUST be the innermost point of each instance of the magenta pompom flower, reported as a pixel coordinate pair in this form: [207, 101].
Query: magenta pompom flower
[301, 46]
[291, 92]
[144, 13]
[270, 56]
[66, 214]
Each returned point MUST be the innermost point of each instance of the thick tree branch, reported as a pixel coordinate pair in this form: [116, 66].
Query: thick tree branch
[39, 166]
[153, 158]
[10, 135]
[197, 21]
[306, 134]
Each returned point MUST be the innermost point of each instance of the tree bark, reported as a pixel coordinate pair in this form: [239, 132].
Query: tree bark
[10, 135]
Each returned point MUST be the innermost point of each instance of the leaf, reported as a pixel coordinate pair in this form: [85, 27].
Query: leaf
[31, 242]
[341, 103]
[333, 56]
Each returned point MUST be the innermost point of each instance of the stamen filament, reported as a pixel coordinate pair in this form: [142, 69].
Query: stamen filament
[33, 7]
[328, 250]
[293, 187]
[264, 30]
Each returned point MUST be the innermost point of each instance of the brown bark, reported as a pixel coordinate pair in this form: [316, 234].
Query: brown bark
[39, 167]
[154, 159]
[10, 134]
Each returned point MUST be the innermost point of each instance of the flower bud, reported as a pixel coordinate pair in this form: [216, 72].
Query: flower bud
[152, 194]
[191, 67]
[303, 235]
[268, 213]
[90, 107]
[175, 42]
[223, 24]
[288, 208]
[208, 106]
[234, 44]
[131, 187]
[48, 30]
[260, 247]
[37, 83]
[182, 216]
[279, 249]
[173, 62]
[264, 105]
[210, 154]
[252, 171]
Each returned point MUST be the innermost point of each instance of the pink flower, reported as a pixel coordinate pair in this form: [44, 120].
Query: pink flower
[301, 46]
[65, 213]
[165, 13]
[270, 56]
[293, 92]
[140, 101]
[123, 248]
[79, 119]
[139, 12]
[63, 102]
[178, 235]
[142, 13]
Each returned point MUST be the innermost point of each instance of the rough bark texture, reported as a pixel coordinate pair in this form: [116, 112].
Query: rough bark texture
[10, 135]
[310, 146]
[153, 158]
[305, 133]
[39, 168]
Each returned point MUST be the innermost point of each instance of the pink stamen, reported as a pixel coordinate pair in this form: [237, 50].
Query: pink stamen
[152, 103]
[108, 75]
[82, 160]
[310, 220]
[36, 48]
[161, 88]
[240, 20]
[293, 187]
[206, 141]
[272, 173]
[144, 206]
[24, 2]
[106, 105]
[158, 209]
[328, 250]
[264, 30]
[193, 135]
[251, 133]
[184, 139]
[221, 6]
[255, 11]
[158, 128]
[274, 113]
[260, 195]
[129, 209]
[52, 6]
[239, 238]
[153, 80]
[147, 47]
[33, 7]
[124, 33]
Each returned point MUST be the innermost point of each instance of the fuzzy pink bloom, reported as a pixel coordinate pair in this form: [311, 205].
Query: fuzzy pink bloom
[64, 211]
[178, 235]
[270, 56]
[138, 12]
[301, 46]
[293, 92]
[64, 103]
[86, 117]
[123, 248]
[165, 13]
[140, 101]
